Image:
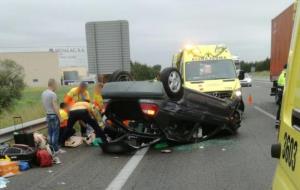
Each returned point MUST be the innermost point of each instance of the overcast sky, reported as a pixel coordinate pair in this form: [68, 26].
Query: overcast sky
[158, 28]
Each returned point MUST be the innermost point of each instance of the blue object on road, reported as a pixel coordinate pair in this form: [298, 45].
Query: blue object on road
[23, 165]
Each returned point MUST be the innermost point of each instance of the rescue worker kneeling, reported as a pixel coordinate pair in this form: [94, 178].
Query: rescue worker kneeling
[83, 111]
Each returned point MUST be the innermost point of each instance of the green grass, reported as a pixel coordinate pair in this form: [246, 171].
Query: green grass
[29, 107]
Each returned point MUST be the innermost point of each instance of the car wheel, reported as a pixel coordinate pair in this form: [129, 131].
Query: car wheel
[120, 76]
[172, 82]
[236, 123]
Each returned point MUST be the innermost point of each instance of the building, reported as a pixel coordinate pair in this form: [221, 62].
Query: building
[107, 46]
[38, 66]
[73, 75]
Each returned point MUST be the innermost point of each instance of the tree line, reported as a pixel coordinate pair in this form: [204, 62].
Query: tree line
[263, 65]
[141, 71]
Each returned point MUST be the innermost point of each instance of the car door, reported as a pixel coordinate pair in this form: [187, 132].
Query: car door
[288, 170]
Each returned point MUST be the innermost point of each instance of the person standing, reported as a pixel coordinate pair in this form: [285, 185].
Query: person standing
[281, 84]
[49, 100]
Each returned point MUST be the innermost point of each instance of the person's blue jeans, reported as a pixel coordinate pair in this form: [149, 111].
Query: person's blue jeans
[53, 130]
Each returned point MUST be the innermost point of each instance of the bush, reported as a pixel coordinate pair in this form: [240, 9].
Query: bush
[11, 82]
[144, 72]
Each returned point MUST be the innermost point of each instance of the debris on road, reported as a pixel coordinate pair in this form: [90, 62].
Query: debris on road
[166, 151]
[161, 145]
[61, 183]
[3, 182]
[50, 171]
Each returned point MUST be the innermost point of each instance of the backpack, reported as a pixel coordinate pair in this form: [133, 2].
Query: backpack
[44, 159]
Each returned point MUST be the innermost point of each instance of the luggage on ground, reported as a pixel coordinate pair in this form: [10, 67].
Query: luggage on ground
[19, 152]
[44, 159]
[73, 142]
[8, 168]
[22, 137]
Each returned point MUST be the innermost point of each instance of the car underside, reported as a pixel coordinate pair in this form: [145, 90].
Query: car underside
[141, 113]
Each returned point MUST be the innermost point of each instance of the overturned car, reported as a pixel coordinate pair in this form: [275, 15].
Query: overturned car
[142, 113]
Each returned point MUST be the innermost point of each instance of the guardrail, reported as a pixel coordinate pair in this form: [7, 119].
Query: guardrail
[6, 134]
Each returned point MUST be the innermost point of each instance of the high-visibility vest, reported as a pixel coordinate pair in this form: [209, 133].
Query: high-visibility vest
[98, 100]
[74, 96]
[281, 79]
[64, 117]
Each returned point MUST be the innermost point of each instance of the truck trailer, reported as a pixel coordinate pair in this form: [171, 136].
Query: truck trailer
[282, 27]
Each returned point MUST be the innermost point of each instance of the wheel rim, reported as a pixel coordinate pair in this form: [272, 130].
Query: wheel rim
[174, 82]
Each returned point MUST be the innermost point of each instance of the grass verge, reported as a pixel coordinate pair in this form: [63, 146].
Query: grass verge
[29, 107]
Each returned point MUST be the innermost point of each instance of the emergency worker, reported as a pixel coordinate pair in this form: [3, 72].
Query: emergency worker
[281, 84]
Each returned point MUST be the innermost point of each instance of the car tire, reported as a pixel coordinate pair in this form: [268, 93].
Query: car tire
[172, 82]
[237, 122]
[120, 76]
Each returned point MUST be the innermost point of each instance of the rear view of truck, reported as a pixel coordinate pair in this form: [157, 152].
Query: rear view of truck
[282, 27]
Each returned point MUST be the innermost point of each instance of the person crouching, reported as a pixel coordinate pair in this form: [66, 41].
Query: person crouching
[82, 111]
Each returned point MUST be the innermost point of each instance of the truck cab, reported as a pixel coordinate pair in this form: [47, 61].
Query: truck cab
[209, 69]
[287, 173]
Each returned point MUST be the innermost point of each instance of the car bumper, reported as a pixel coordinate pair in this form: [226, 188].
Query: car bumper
[245, 83]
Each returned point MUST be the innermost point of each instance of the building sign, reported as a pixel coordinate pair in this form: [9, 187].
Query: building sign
[71, 56]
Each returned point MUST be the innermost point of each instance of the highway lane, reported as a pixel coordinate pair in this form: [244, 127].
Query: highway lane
[82, 168]
[241, 161]
[261, 95]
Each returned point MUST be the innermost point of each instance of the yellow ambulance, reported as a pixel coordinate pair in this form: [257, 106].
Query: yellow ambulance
[287, 175]
[209, 69]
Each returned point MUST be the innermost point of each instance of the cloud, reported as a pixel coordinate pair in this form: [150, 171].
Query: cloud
[158, 28]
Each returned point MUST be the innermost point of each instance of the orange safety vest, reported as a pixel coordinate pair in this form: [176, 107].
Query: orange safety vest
[81, 105]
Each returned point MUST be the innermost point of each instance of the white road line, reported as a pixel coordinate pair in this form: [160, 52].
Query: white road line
[120, 180]
[265, 112]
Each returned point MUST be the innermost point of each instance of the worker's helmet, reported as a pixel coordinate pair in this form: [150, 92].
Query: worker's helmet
[83, 84]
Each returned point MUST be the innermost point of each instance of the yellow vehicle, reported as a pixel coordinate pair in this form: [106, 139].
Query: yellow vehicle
[287, 173]
[209, 69]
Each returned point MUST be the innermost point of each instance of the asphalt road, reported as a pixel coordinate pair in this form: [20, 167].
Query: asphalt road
[242, 161]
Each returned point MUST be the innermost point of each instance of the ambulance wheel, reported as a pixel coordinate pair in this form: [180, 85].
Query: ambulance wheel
[120, 76]
[172, 82]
